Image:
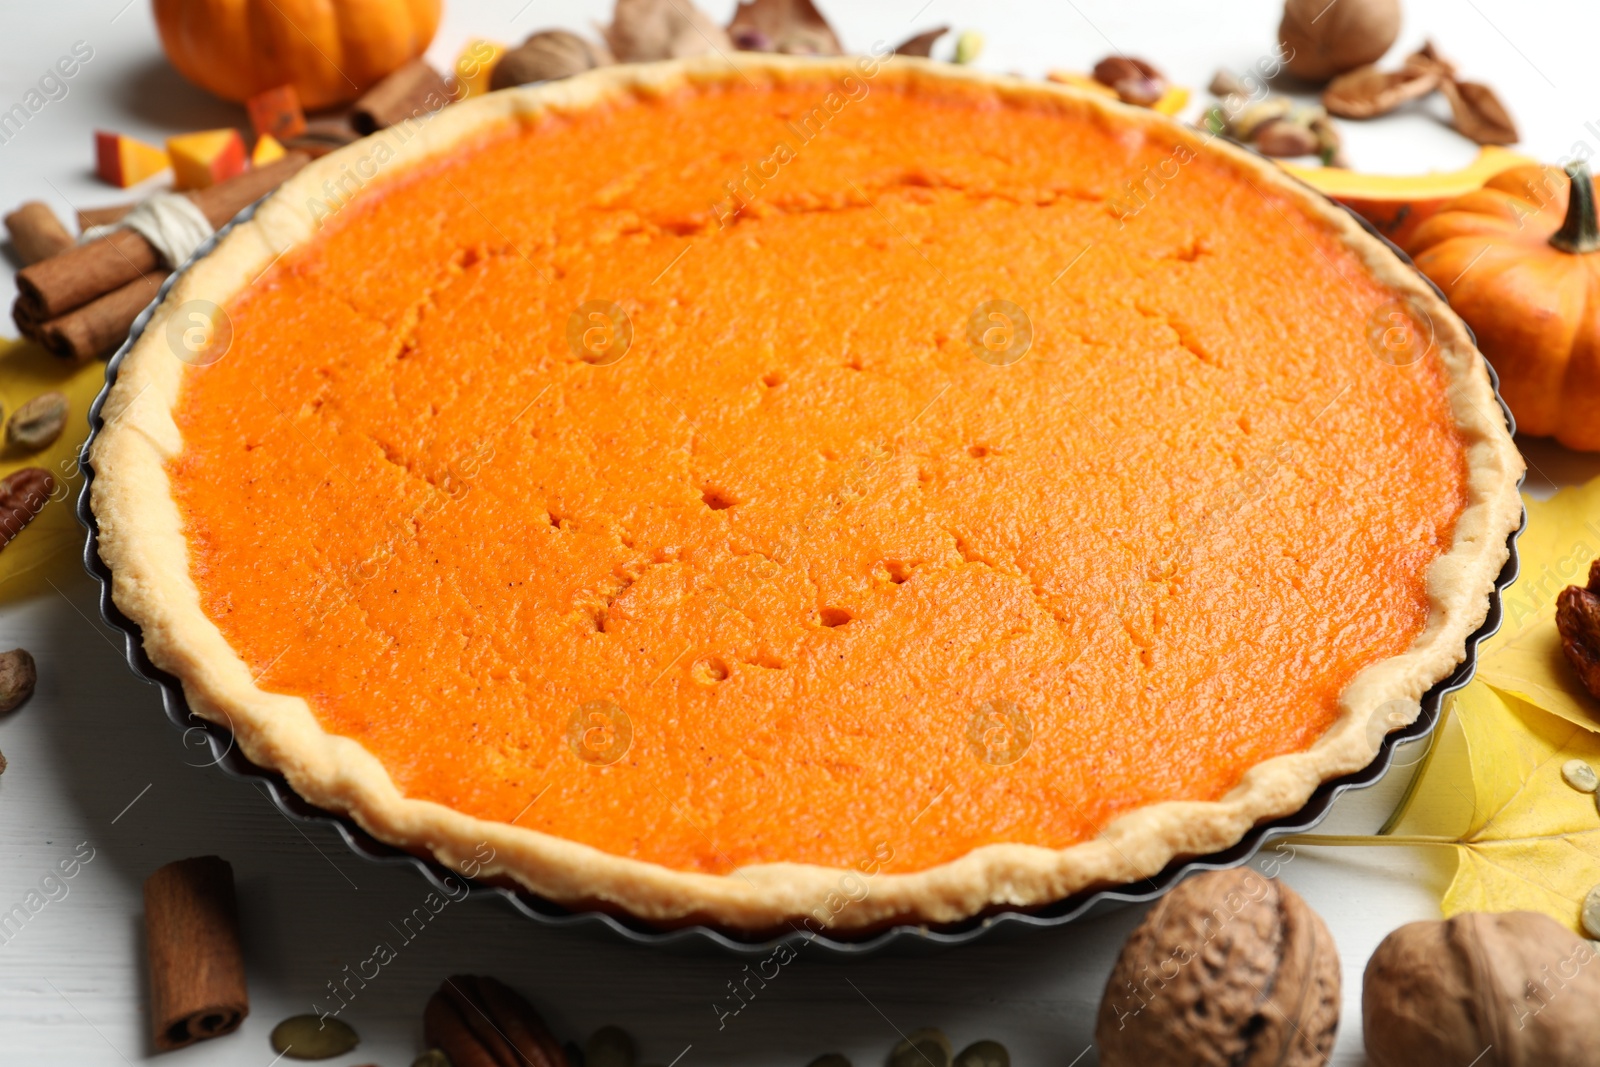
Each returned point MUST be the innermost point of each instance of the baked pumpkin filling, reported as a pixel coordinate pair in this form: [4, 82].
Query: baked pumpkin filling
[801, 568]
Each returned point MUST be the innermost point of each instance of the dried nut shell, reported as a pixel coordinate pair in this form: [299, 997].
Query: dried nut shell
[1282, 138]
[610, 1046]
[312, 1037]
[1368, 92]
[1229, 968]
[546, 56]
[642, 30]
[1249, 119]
[1580, 776]
[18, 676]
[39, 422]
[1443, 992]
[792, 27]
[1478, 113]
[1321, 39]
[921, 1048]
[983, 1054]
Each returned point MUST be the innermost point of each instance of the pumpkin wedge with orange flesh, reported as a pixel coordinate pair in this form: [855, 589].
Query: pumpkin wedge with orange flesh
[1398, 203]
[1519, 260]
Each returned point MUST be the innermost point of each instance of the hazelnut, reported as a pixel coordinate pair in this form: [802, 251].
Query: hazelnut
[1230, 969]
[547, 55]
[1445, 992]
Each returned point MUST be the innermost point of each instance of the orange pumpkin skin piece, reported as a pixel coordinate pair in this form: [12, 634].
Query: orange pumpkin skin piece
[1535, 308]
[331, 51]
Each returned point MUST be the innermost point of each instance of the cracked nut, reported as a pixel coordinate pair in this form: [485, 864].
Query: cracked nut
[1578, 620]
[1135, 81]
[1230, 968]
[480, 1021]
[1444, 992]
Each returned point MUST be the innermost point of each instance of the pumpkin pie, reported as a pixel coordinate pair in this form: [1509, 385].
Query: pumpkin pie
[840, 492]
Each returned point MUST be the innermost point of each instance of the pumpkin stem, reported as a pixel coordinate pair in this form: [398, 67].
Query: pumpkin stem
[1580, 233]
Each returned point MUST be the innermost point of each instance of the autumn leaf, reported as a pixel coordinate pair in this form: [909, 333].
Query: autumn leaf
[1527, 841]
[1524, 658]
[54, 537]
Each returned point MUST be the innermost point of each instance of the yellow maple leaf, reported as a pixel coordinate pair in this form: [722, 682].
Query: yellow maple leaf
[53, 541]
[1524, 658]
[1492, 792]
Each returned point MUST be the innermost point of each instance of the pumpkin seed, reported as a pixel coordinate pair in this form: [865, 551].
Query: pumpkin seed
[831, 1059]
[1591, 913]
[1580, 776]
[312, 1037]
[434, 1057]
[984, 1054]
[610, 1046]
[39, 422]
[927, 1047]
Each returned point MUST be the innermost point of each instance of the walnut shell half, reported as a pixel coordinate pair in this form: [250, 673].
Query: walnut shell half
[1230, 969]
[1511, 990]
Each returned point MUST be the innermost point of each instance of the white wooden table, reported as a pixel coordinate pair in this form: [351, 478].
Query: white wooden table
[93, 759]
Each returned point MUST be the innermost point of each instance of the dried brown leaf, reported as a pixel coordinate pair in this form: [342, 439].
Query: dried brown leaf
[794, 27]
[1369, 92]
[922, 44]
[1479, 114]
[643, 30]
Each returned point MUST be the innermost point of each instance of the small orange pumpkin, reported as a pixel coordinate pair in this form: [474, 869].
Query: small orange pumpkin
[331, 51]
[1519, 260]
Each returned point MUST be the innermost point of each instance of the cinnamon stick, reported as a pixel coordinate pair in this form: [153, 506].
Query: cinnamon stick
[415, 89]
[197, 985]
[36, 232]
[98, 327]
[80, 274]
[322, 136]
[90, 217]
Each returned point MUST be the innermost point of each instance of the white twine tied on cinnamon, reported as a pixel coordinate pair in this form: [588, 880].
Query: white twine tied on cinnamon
[172, 223]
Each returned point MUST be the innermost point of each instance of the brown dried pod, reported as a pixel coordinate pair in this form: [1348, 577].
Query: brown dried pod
[1478, 112]
[1492, 990]
[479, 1021]
[643, 30]
[1321, 39]
[793, 27]
[546, 56]
[1578, 622]
[1230, 969]
[1369, 92]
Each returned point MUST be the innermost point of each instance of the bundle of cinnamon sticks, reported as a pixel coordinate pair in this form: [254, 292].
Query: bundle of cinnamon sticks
[78, 301]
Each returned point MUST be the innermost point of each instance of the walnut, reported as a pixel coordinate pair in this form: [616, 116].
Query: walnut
[546, 56]
[1230, 969]
[1578, 619]
[1444, 992]
[1320, 39]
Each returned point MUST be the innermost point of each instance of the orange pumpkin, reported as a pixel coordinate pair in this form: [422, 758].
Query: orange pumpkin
[331, 51]
[1519, 260]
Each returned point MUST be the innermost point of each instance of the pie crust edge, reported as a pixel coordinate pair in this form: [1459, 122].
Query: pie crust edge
[141, 540]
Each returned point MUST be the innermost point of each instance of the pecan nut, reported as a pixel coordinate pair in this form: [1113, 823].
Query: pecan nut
[23, 494]
[480, 1021]
[1578, 620]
